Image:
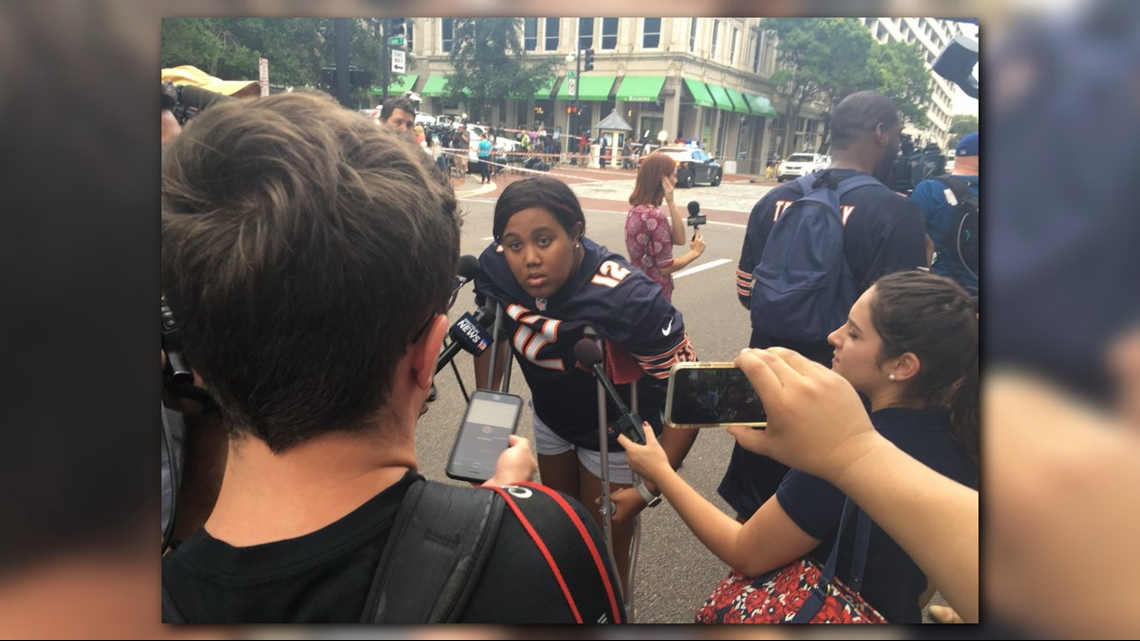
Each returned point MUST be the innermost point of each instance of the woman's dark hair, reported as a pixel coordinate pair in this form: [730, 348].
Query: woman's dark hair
[538, 191]
[933, 317]
[648, 190]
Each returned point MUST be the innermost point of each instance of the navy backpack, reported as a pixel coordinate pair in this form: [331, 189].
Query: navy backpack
[803, 288]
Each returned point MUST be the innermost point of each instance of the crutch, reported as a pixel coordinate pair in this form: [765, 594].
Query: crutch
[606, 503]
[496, 333]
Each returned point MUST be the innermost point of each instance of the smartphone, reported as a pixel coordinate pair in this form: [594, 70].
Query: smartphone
[491, 417]
[712, 395]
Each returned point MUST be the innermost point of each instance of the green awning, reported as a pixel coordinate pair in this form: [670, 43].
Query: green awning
[640, 88]
[595, 88]
[542, 92]
[545, 89]
[721, 97]
[738, 103]
[701, 97]
[433, 87]
[760, 106]
[405, 83]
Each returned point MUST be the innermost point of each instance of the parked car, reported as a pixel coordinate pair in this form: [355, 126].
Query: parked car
[693, 165]
[374, 114]
[424, 119]
[801, 164]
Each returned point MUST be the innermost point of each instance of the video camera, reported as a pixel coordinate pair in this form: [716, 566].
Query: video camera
[913, 166]
[185, 101]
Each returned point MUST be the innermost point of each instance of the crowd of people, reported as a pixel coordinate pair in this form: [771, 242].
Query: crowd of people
[313, 218]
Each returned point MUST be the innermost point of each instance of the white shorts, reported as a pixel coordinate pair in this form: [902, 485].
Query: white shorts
[547, 443]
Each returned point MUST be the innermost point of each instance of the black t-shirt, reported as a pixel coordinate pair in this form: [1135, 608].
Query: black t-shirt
[891, 581]
[324, 577]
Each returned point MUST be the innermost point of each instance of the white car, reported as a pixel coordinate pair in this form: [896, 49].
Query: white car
[801, 164]
[424, 118]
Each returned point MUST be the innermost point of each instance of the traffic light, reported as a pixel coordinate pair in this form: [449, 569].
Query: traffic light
[588, 62]
[359, 78]
[396, 27]
[328, 76]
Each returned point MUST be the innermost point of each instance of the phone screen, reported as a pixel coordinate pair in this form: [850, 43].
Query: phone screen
[491, 418]
[712, 396]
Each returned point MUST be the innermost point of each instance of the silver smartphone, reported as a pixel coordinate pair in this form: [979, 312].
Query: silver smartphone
[712, 395]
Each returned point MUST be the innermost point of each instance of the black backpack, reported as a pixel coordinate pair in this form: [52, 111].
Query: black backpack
[441, 541]
[964, 222]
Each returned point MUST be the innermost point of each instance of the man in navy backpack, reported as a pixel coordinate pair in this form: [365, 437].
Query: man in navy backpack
[881, 232]
[950, 221]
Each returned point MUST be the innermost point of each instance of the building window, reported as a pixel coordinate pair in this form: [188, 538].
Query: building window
[447, 33]
[693, 35]
[609, 33]
[651, 37]
[881, 33]
[756, 55]
[530, 34]
[716, 36]
[732, 51]
[410, 33]
[552, 33]
[585, 33]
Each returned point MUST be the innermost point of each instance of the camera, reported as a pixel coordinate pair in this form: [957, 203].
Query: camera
[913, 165]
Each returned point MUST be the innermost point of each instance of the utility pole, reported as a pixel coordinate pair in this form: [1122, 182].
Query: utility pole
[387, 61]
[342, 91]
[577, 87]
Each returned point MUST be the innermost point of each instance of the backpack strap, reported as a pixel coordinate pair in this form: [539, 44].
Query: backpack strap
[960, 187]
[569, 550]
[858, 563]
[435, 554]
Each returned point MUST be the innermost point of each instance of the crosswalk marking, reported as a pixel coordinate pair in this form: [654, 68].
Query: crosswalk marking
[700, 268]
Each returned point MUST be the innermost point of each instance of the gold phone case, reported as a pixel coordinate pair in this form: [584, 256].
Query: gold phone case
[677, 367]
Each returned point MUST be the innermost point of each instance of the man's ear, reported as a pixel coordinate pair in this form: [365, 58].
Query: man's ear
[424, 352]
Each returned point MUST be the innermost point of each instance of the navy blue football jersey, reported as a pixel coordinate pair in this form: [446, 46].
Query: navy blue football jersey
[621, 303]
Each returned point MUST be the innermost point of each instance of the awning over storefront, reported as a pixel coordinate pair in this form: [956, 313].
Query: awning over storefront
[760, 106]
[404, 83]
[542, 92]
[738, 103]
[595, 88]
[433, 87]
[701, 97]
[720, 96]
[640, 88]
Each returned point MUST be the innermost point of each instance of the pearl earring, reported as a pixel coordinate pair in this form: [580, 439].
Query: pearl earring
[890, 377]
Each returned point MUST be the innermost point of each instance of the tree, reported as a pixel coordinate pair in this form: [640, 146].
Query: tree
[297, 48]
[822, 60]
[490, 64]
[899, 72]
[960, 125]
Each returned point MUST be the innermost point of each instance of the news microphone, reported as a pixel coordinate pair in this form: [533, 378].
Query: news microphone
[590, 356]
[695, 217]
[469, 334]
[468, 269]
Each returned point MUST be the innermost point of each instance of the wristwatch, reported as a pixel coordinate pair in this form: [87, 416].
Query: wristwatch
[651, 499]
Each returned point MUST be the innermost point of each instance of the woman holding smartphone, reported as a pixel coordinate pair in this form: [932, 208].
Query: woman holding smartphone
[650, 233]
[910, 345]
[553, 282]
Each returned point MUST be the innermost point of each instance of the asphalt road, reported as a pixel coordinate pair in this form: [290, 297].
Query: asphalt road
[675, 573]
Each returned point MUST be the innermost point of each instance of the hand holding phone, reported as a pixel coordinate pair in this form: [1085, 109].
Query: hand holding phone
[515, 465]
[491, 418]
[712, 395]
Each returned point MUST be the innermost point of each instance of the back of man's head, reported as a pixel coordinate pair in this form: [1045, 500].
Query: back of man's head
[303, 249]
[857, 116]
[966, 155]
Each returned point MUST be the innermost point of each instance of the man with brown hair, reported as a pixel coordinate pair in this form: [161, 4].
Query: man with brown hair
[309, 257]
